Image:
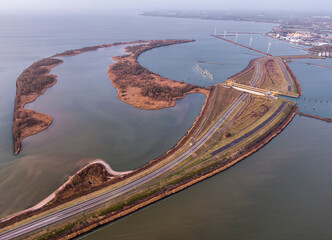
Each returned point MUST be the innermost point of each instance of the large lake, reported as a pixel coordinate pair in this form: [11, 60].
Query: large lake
[281, 192]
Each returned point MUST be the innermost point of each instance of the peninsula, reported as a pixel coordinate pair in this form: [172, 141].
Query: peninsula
[238, 118]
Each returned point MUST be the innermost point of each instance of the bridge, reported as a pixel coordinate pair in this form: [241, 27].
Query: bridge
[257, 91]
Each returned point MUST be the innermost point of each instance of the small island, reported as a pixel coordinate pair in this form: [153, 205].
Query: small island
[30, 84]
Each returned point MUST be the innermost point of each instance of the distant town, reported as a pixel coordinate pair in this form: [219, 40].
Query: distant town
[315, 32]
[312, 30]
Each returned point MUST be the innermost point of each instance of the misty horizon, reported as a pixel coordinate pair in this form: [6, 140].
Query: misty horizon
[104, 7]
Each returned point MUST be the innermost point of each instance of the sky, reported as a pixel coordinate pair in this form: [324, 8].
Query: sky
[105, 6]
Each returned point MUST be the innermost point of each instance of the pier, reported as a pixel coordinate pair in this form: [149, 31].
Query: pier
[314, 116]
[241, 45]
[201, 70]
[204, 72]
[209, 74]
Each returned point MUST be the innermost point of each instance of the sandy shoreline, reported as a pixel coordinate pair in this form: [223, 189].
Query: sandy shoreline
[48, 199]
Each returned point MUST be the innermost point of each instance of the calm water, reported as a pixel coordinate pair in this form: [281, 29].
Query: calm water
[281, 192]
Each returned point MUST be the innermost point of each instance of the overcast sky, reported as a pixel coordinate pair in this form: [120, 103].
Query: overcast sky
[104, 6]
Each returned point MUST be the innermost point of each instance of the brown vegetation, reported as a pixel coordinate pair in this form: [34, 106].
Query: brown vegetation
[140, 87]
[273, 78]
[256, 107]
[32, 83]
[82, 182]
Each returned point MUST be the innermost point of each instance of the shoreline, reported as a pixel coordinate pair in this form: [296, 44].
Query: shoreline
[184, 184]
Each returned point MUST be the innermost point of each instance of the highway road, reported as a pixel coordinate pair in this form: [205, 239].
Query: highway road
[128, 188]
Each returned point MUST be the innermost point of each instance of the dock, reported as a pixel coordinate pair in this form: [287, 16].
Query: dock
[201, 70]
[209, 74]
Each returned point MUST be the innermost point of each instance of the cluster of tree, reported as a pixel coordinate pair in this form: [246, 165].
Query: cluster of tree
[35, 78]
[23, 119]
[28, 122]
[165, 93]
[45, 62]
[124, 72]
[125, 68]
